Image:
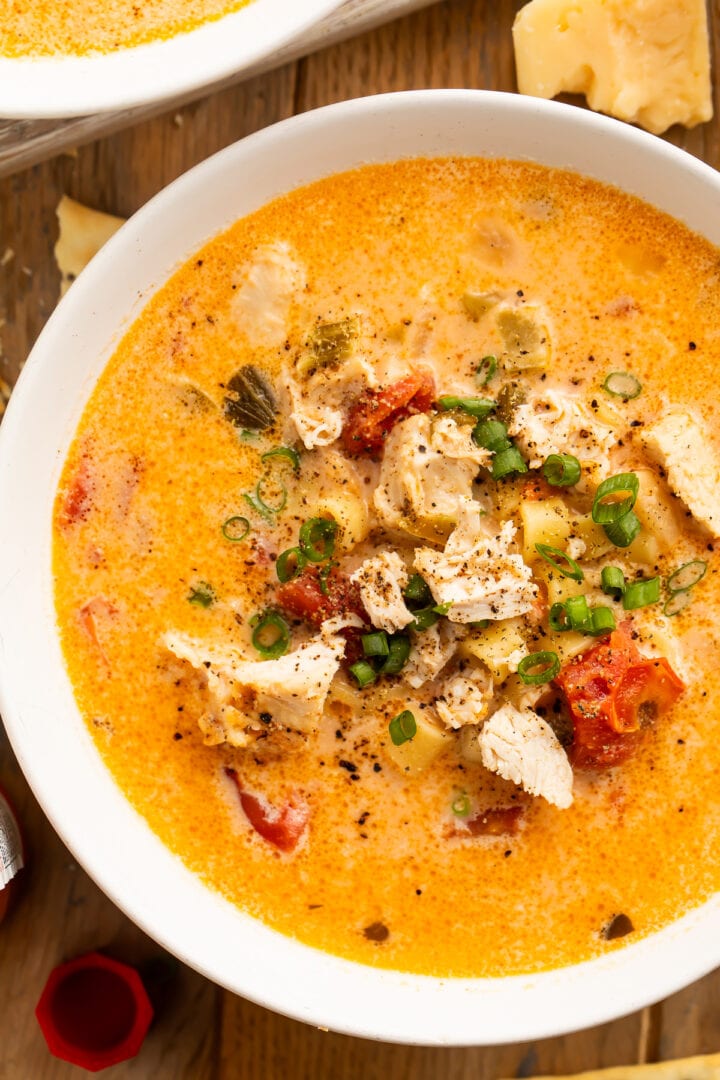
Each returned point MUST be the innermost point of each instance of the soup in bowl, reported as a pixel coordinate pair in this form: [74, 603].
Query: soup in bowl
[58, 60]
[370, 567]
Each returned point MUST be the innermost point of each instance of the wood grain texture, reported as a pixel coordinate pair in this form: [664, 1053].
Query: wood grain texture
[203, 1033]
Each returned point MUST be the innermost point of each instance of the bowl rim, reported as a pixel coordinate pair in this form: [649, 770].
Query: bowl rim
[61, 86]
[231, 948]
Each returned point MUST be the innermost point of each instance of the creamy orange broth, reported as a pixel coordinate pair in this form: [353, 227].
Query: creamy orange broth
[641, 839]
[77, 27]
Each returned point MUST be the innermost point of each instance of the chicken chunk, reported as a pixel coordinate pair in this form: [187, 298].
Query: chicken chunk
[477, 574]
[464, 701]
[679, 444]
[247, 697]
[430, 653]
[521, 747]
[423, 482]
[556, 423]
[382, 579]
[265, 293]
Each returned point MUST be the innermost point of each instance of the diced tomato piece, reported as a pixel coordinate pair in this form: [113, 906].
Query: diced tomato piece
[537, 489]
[376, 412]
[612, 692]
[283, 828]
[502, 821]
[304, 598]
[78, 500]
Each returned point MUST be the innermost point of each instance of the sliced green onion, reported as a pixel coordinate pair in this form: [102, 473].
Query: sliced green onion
[397, 658]
[201, 595]
[622, 533]
[538, 667]
[561, 470]
[271, 635]
[474, 406]
[486, 369]
[551, 554]
[507, 462]
[558, 619]
[363, 672]
[641, 593]
[317, 538]
[375, 644]
[442, 609]
[460, 806]
[492, 435]
[259, 507]
[417, 591]
[578, 613]
[283, 452]
[623, 385]
[264, 503]
[236, 528]
[677, 603]
[603, 620]
[290, 564]
[612, 581]
[608, 513]
[402, 727]
[424, 618]
[479, 624]
[686, 576]
[323, 576]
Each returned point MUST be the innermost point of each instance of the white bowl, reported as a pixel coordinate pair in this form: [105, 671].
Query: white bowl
[55, 750]
[59, 86]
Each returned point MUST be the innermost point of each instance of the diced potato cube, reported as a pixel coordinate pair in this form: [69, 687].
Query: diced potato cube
[658, 512]
[478, 304]
[495, 645]
[350, 513]
[645, 548]
[525, 336]
[545, 521]
[593, 535]
[469, 744]
[427, 744]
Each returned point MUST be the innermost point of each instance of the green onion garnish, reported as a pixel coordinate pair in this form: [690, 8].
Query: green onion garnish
[417, 591]
[474, 406]
[612, 581]
[677, 603]
[202, 595]
[271, 635]
[558, 619]
[508, 462]
[486, 369]
[264, 503]
[578, 613]
[612, 511]
[363, 672]
[424, 618]
[460, 806]
[641, 593]
[259, 507]
[399, 651]
[375, 644]
[538, 667]
[561, 470]
[479, 624]
[402, 727]
[236, 528]
[622, 533]
[603, 620]
[283, 452]
[492, 435]
[317, 538]
[290, 564]
[623, 385]
[686, 576]
[551, 554]
[323, 576]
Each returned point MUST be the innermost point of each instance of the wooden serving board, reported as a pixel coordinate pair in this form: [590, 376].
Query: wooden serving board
[203, 1033]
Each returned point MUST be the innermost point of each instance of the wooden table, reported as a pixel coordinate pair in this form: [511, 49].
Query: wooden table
[203, 1033]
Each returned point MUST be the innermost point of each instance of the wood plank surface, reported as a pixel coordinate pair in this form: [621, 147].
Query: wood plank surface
[203, 1033]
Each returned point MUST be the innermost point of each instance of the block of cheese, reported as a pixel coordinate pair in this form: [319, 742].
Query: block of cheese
[647, 62]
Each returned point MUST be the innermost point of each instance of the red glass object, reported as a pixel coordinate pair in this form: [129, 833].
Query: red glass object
[94, 1012]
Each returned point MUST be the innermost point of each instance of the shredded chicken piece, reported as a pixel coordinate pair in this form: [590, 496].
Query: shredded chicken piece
[430, 653]
[555, 423]
[679, 444]
[261, 303]
[464, 701]
[382, 579]
[522, 747]
[477, 574]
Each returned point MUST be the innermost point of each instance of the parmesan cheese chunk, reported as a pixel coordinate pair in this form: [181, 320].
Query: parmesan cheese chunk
[247, 696]
[264, 295]
[521, 747]
[677, 442]
[647, 61]
[476, 574]
[382, 579]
